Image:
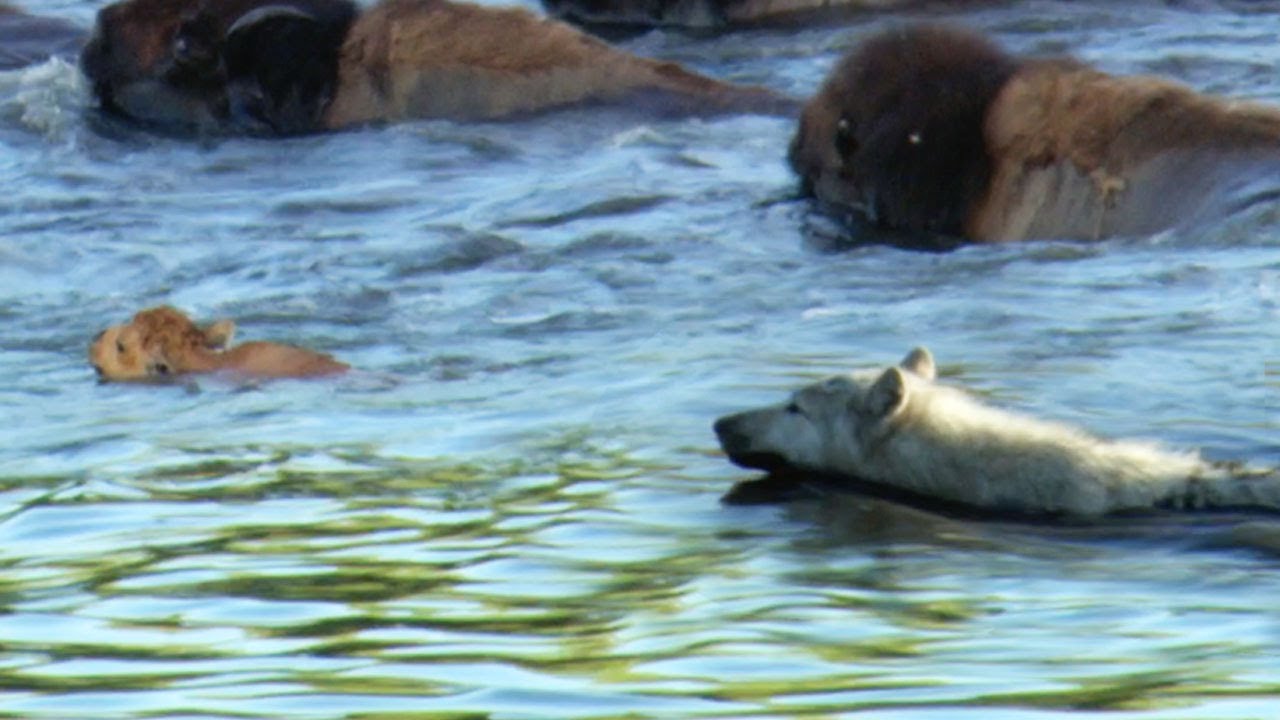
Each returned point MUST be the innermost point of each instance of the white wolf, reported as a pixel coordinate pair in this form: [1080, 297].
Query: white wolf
[898, 429]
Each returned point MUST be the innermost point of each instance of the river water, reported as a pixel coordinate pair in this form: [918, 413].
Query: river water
[512, 509]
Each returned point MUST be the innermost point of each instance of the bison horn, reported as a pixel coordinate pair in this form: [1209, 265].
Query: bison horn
[265, 13]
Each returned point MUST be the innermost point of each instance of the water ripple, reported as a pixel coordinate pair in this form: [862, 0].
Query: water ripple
[510, 510]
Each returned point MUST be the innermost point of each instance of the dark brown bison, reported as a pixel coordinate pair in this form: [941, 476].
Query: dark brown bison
[932, 129]
[30, 39]
[293, 66]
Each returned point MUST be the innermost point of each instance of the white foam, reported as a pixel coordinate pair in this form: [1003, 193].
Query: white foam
[48, 98]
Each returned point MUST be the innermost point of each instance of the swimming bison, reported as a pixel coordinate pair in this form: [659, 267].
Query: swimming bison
[298, 66]
[931, 129]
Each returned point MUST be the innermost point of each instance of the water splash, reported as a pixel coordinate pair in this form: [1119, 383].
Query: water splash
[48, 99]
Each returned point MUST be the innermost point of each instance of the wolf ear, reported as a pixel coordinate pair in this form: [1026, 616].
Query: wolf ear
[920, 362]
[218, 335]
[887, 396]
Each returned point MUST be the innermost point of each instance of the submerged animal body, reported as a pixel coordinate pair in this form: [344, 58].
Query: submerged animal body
[29, 39]
[714, 15]
[293, 66]
[162, 343]
[900, 430]
[932, 129]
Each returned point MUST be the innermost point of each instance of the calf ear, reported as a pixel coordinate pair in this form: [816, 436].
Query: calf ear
[218, 335]
[920, 362]
[887, 396]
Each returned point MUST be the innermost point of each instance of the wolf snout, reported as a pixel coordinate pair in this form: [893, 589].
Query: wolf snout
[742, 446]
[729, 432]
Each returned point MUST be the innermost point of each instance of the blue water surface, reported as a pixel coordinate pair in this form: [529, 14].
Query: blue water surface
[511, 509]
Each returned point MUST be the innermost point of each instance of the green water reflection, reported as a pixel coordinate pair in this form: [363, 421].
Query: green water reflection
[576, 581]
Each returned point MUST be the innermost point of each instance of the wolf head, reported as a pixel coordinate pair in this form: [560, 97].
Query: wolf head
[835, 423]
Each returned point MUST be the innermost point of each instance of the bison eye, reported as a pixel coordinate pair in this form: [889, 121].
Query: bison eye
[793, 408]
[160, 369]
[846, 145]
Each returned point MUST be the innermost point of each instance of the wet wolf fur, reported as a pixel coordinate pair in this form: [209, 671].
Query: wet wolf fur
[898, 430]
[934, 129]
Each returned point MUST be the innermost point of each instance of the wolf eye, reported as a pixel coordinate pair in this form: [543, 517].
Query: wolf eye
[119, 347]
[793, 408]
[160, 369]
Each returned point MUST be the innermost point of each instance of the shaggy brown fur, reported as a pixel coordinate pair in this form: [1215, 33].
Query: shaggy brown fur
[162, 342]
[896, 131]
[934, 129]
[219, 65]
[435, 58]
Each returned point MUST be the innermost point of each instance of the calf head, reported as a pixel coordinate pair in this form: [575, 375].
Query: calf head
[156, 344]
